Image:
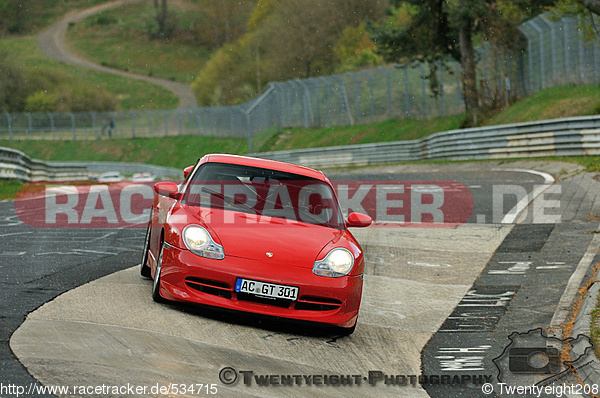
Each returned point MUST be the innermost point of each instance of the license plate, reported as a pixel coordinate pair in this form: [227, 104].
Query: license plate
[265, 289]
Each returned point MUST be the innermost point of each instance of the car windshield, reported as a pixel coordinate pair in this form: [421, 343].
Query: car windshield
[265, 193]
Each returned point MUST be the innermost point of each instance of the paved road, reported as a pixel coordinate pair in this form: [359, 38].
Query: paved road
[435, 268]
[36, 265]
[52, 42]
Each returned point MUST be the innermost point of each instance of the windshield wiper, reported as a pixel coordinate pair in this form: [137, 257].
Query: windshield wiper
[230, 201]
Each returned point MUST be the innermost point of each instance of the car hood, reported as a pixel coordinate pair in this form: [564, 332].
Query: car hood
[246, 236]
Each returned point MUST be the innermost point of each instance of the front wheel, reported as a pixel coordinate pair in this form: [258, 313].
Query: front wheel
[145, 270]
[156, 285]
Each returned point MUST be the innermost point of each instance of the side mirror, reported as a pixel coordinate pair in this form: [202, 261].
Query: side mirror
[187, 171]
[167, 188]
[359, 220]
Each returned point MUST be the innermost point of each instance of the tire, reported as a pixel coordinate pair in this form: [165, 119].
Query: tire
[156, 284]
[145, 270]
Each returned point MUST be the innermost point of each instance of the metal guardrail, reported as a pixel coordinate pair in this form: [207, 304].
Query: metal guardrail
[556, 53]
[160, 172]
[557, 137]
[15, 165]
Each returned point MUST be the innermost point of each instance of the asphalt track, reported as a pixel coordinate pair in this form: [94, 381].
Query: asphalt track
[110, 332]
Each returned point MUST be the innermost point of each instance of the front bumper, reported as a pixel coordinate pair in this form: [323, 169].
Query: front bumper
[190, 278]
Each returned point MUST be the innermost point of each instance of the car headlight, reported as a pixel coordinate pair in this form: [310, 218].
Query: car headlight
[199, 241]
[336, 263]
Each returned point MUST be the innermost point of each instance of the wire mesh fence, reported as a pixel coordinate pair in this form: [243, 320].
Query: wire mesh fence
[557, 52]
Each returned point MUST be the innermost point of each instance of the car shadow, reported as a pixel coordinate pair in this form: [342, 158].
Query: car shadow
[259, 321]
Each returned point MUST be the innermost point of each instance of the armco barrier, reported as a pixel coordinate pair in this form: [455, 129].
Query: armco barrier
[125, 168]
[15, 165]
[557, 137]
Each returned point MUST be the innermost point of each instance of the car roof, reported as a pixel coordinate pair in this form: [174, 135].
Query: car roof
[267, 164]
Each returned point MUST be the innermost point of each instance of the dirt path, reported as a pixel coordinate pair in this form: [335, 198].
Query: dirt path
[52, 42]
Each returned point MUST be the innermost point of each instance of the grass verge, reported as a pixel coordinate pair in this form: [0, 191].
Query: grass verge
[185, 150]
[177, 152]
[552, 103]
[555, 102]
[595, 327]
[389, 130]
[9, 189]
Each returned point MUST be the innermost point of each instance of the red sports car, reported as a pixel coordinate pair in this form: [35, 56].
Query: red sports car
[257, 236]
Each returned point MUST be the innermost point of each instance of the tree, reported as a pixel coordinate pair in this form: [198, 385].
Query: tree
[162, 19]
[434, 30]
[224, 21]
[299, 37]
[592, 5]
[15, 15]
[12, 86]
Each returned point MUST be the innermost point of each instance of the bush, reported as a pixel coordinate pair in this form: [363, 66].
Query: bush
[82, 98]
[12, 86]
[104, 19]
[227, 76]
[40, 102]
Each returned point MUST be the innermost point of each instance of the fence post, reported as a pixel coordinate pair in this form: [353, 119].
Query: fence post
[597, 60]
[344, 103]
[552, 46]
[316, 119]
[542, 53]
[74, 128]
[581, 52]
[441, 66]
[308, 114]
[180, 121]
[132, 115]
[529, 57]
[459, 94]
[371, 95]
[279, 100]
[567, 47]
[357, 96]
[93, 114]
[389, 90]
[406, 92]
[196, 113]
[9, 126]
[327, 99]
[166, 122]
[249, 132]
[52, 125]
[29, 125]
[423, 90]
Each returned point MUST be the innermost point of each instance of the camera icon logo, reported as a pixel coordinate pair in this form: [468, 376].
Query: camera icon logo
[534, 360]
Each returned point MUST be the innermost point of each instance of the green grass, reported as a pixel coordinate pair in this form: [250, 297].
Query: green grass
[595, 327]
[185, 150]
[118, 38]
[9, 189]
[555, 102]
[389, 130]
[42, 14]
[130, 93]
[177, 152]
